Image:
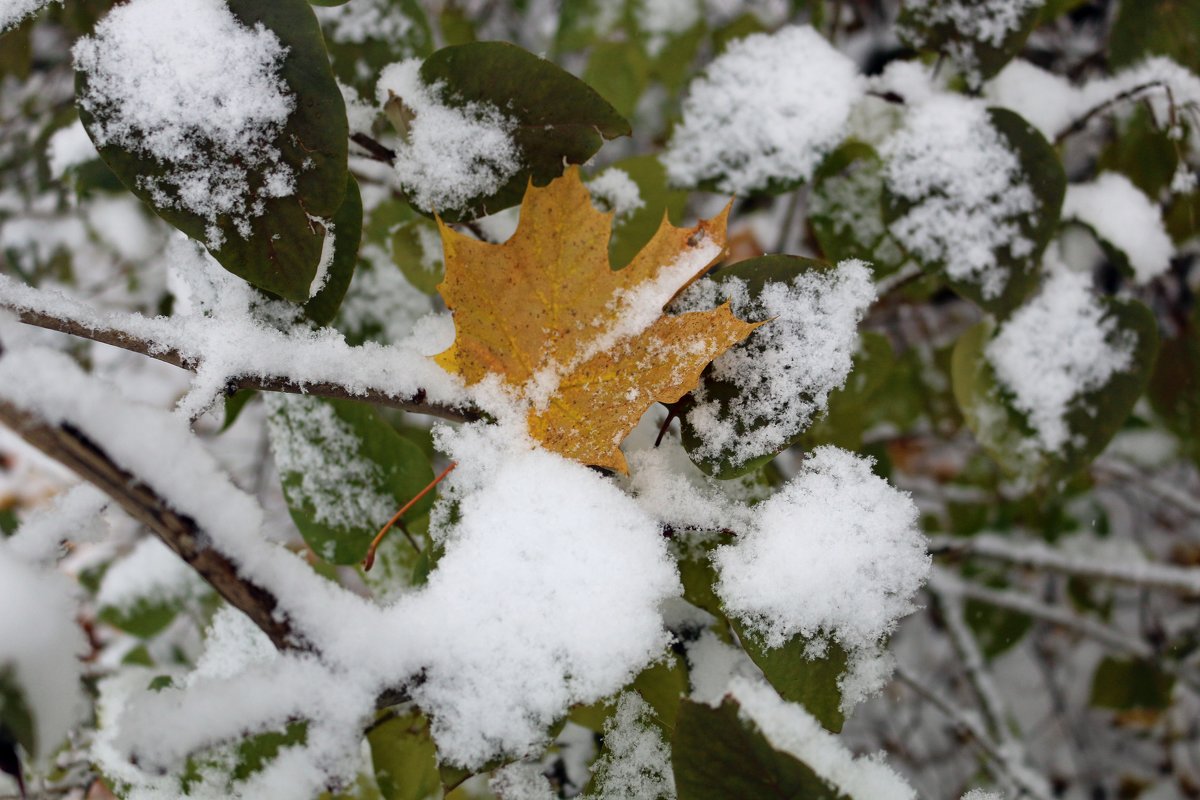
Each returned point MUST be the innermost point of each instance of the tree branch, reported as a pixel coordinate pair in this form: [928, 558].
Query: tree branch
[73, 449]
[1082, 122]
[174, 356]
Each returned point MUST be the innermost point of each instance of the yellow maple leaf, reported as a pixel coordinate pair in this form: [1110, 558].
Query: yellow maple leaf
[588, 346]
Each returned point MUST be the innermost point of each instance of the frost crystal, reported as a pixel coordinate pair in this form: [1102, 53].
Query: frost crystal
[450, 154]
[200, 94]
[767, 110]
[1055, 348]
[967, 188]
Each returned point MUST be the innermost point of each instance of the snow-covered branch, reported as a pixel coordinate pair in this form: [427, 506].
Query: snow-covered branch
[1028, 553]
[229, 355]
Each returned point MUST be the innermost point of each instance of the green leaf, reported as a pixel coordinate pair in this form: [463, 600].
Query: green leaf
[741, 27]
[417, 251]
[254, 752]
[811, 682]
[756, 273]
[560, 119]
[672, 64]
[1040, 169]
[343, 467]
[347, 231]
[8, 521]
[630, 234]
[16, 718]
[846, 209]
[663, 685]
[405, 758]
[1141, 152]
[1174, 390]
[717, 756]
[1156, 27]
[1092, 418]
[234, 404]
[619, 72]
[283, 250]
[1128, 683]
[144, 618]
[849, 408]
[996, 629]
[918, 25]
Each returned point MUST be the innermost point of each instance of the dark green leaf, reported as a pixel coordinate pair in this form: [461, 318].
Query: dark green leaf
[811, 682]
[1156, 27]
[347, 453]
[619, 72]
[1174, 390]
[234, 405]
[283, 251]
[848, 414]
[756, 273]
[1040, 169]
[16, 717]
[560, 119]
[1092, 418]
[254, 752]
[919, 25]
[717, 756]
[1142, 152]
[1127, 683]
[347, 231]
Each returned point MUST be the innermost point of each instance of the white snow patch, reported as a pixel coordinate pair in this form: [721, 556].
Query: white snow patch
[1054, 348]
[967, 188]
[636, 762]
[767, 109]
[616, 191]
[1122, 215]
[13, 12]
[449, 154]
[835, 553]
[69, 147]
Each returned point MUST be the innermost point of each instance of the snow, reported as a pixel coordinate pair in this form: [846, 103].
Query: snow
[1052, 104]
[788, 727]
[636, 762]
[199, 93]
[71, 517]
[591, 567]
[151, 572]
[521, 780]
[1126, 218]
[833, 553]
[13, 12]
[449, 154]
[787, 368]
[336, 484]
[967, 189]
[380, 301]
[980, 794]
[40, 646]
[356, 22]
[69, 147]
[615, 190]
[1055, 348]
[987, 22]
[801, 91]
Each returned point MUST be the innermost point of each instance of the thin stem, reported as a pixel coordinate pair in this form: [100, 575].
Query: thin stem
[1082, 122]
[369, 561]
[375, 150]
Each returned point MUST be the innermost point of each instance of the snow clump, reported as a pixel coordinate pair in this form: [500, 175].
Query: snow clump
[1054, 348]
[449, 155]
[768, 109]
[967, 190]
[835, 553]
[986, 22]
[199, 93]
[1121, 214]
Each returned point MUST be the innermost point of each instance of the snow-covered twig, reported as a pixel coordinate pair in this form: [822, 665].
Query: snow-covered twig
[252, 357]
[1013, 753]
[1164, 491]
[1029, 553]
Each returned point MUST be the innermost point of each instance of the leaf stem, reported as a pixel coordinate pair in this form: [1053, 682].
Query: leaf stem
[369, 561]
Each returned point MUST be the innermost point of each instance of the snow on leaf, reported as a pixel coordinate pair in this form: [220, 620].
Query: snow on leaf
[588, 347]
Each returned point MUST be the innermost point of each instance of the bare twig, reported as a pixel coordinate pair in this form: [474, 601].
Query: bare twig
[375, 150]
[1082, 122]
